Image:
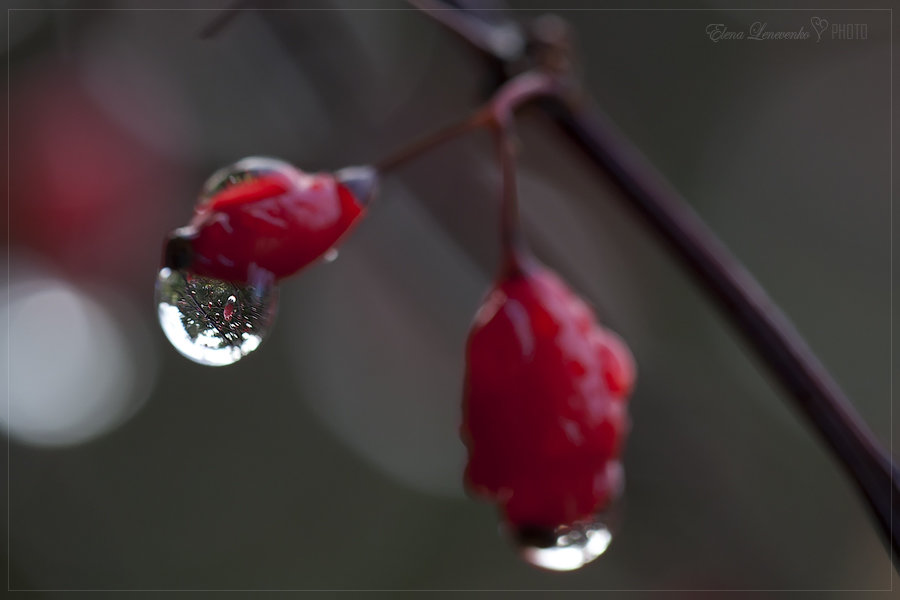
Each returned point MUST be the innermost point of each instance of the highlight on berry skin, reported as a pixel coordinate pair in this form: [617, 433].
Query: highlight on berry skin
[256, 222]
[545, 416]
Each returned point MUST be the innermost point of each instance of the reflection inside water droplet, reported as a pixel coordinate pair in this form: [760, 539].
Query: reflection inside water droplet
[210, 321]
[228, 310]
[331, 255]
[565, 548]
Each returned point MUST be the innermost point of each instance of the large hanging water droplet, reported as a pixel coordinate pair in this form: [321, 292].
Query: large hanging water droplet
[565, 548]
[214, 322]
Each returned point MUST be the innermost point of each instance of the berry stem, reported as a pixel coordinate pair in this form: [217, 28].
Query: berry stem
[511, 239]
[421, 146]
[498, 113]
[515, 93]
[501, 108]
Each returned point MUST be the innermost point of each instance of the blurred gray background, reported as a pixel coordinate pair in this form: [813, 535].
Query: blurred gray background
[329, 458]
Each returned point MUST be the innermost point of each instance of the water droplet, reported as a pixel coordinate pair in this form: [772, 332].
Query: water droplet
[565, 548]
[197, 314]
[331, 255]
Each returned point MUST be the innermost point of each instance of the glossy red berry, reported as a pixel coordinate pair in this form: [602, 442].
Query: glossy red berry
[257, 222]
[544, 410]
[263, 215]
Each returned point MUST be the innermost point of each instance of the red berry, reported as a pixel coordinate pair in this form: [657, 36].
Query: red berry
[264, 215]
[543, 411]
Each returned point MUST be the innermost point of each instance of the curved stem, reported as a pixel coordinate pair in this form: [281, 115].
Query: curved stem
[498, 113]
[500, 107]
[511, 239]
[421, 146]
